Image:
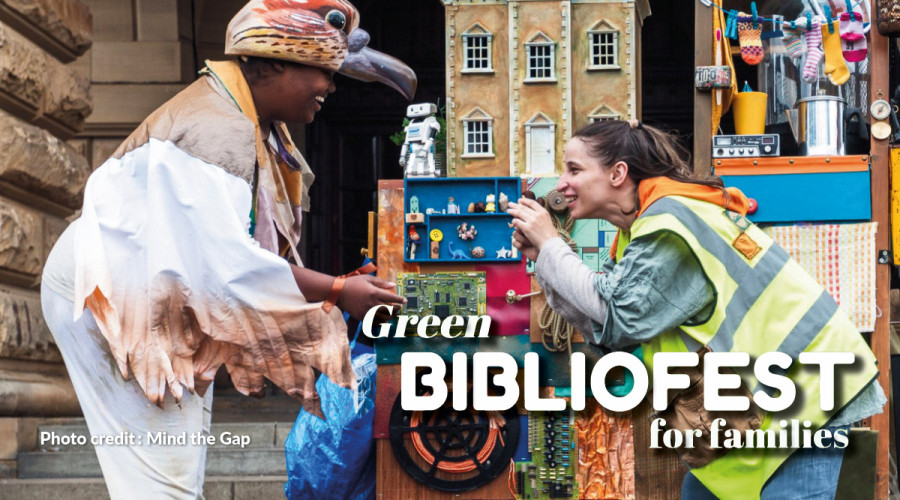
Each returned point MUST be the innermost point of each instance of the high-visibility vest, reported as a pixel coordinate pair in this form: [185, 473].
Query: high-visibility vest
[764, 301]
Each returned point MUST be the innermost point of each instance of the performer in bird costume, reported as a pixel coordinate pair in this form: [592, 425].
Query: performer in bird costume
[178, 262]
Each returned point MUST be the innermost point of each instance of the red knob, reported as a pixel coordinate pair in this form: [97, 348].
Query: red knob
[754, 206]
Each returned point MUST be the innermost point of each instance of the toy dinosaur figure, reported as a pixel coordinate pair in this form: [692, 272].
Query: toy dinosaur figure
[457, 254]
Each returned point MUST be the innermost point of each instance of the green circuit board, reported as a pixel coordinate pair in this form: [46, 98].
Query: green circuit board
[444, 294]
[551, 471]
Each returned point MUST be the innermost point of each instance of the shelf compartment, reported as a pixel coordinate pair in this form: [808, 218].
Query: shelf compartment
[494, 231]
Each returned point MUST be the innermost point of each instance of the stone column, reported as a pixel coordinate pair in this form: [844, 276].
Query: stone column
[43, 103]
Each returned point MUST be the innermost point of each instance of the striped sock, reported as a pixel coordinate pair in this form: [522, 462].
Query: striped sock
[813, 52]
[751, 44]
[793, 43]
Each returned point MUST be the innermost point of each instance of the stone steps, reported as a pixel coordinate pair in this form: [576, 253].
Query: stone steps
[68, 470]
[67, 437]
[214, 488]
[219, 462]
[239, 449]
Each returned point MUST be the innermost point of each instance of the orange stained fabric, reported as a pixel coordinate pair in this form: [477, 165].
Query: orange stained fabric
[172, 333]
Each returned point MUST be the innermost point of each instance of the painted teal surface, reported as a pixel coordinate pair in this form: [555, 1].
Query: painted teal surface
[838, 196]
[494, 232]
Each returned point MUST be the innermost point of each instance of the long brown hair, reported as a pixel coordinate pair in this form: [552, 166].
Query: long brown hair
[648, 151]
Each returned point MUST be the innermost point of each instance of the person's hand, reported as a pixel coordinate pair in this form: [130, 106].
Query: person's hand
[533, 221]
[362, 293]
[525, 246]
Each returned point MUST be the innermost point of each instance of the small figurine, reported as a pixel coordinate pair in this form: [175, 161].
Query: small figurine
[413, 204]
[503, 253]
[466, 232]
[456, 254]
[471, 208]
[413, 237]
[452, 208]
[503, 202]
[478, 253]
[491, 205]
[417, 153]
[480, 207]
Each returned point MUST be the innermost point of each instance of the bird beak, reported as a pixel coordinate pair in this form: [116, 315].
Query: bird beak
[370, 65]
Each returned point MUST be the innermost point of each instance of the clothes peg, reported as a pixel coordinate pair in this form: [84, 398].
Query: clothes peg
[755, 17]
[793, 25]
[808, 21]
[850, 11]
[731, 25]
[828, 18]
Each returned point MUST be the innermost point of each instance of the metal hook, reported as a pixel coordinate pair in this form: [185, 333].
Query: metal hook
[512, 297]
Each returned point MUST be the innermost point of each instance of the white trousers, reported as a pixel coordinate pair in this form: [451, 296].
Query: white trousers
[158, 458]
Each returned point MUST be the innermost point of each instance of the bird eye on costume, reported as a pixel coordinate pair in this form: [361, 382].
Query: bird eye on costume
[337, 19]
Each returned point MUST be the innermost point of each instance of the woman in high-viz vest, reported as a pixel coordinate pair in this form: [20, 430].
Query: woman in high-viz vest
[689, 273]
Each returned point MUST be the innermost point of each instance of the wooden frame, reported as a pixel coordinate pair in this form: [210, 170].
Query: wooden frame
[880, 185]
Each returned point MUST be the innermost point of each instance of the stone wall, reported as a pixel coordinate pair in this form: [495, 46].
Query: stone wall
[142, 55]
[44, 102]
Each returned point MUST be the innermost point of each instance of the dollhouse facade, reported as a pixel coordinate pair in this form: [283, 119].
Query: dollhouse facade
[522, 75]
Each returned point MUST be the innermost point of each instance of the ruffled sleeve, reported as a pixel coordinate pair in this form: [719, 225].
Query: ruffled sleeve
[165, 264]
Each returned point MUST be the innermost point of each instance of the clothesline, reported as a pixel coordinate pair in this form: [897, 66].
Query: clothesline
[785, 24]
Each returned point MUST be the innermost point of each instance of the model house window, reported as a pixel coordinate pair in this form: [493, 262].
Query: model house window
[540, 145]
[604, 41]
[540, 50]
[477, 50]
[604, 113]
[478, 131]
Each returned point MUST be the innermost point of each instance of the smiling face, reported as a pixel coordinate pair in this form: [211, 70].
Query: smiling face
[594, 190]
[584, 181]
[301, 91]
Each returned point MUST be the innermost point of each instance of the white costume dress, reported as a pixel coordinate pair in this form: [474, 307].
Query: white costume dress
[159, 283]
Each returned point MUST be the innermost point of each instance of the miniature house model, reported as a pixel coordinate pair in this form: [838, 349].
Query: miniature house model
[522, 75]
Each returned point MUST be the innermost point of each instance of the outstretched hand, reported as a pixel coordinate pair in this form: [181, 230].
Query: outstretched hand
[364, 292]
[533, 222]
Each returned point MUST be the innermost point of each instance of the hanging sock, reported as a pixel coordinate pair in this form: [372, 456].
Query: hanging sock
[751, 44]
[792, 43]
[813, 52]
[835, 67]
[853, 41]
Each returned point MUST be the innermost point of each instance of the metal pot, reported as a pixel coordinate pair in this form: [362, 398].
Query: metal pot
[820, 131]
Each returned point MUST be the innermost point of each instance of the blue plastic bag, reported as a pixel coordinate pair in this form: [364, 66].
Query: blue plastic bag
[335, 458]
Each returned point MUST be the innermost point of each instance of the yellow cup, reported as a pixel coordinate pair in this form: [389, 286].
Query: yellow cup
[749, 110]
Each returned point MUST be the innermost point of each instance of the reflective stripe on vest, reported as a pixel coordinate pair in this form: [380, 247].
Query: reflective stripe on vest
[764, 303]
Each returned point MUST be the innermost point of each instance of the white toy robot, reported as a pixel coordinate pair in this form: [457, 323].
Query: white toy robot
[417, 154]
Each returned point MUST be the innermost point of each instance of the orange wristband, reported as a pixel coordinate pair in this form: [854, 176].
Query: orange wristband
[338, 286]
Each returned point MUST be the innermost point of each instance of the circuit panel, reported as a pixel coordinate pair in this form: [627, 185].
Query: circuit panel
[552, 444]
[444, 294]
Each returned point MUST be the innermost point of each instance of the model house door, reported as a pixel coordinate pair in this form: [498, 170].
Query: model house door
[542, 154]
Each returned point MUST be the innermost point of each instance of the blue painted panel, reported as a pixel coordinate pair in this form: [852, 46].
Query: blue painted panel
[522, 454]
[494, 234]
[838, 196]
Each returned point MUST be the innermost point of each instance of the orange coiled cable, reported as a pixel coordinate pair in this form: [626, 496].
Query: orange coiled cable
[496, 420]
